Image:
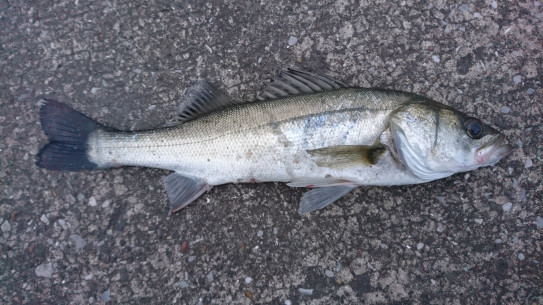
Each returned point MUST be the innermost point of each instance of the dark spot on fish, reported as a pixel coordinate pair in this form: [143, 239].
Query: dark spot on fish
[328, 176]
[253, 180]
[249, 153]
[208, 160]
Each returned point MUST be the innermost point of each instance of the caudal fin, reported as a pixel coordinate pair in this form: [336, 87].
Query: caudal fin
[68, 132]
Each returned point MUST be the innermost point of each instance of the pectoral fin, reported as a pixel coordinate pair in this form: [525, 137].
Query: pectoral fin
[347, 155]
[317, 182]
[320, 197]
[182, 190]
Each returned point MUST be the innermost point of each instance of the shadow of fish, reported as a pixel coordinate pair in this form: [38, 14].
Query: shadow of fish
[306, 129]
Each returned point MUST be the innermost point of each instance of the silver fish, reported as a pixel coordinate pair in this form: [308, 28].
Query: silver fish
[307, 129]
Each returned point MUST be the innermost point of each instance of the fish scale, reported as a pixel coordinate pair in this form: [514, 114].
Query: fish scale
[202, 148]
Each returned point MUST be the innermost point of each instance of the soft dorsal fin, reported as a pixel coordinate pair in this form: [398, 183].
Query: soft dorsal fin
[200, 98]
[292, 82]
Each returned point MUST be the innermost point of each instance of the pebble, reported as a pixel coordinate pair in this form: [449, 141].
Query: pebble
[479, 220]
[259, 233]
[521, 256]
[523, 195]
[464, 7]
[209, 276]
[275, 231]
[494, 4]
[507, 207]
[183, 284]
[44, 219]
[45, 270]
[505, 109]
[329, 273]
[192, 258]
[6, 227]
[92, 201]
[305, 291]
[420, 246]
[292, 40]
[539, 222]
[436, 58]
[106, 203]
[517, 79]
[288, 302]
[441, 199]
[106, 296]
[248, 280]
[528, 163]
[89, 277]
[151, 108]
[184, 246]
[94, 90]
[78, 241]
[530, 91]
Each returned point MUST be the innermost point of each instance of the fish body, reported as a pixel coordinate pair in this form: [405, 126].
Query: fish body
[311, 131]
[265, 141]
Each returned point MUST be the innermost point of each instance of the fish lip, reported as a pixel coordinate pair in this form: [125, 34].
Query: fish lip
[494, 151]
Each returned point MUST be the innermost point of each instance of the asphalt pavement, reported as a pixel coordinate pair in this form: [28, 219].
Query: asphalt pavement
[105, 236]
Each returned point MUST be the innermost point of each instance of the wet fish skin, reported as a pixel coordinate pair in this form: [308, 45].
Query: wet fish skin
[331, 137]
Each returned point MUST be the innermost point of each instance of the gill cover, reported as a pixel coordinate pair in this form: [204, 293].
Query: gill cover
[415, 129]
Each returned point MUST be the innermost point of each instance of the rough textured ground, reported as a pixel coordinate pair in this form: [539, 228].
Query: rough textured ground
[104, 236]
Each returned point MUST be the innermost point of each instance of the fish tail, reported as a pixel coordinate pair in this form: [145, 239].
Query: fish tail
[68, 132]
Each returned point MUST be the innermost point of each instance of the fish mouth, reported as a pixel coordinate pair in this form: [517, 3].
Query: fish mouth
[494, 151]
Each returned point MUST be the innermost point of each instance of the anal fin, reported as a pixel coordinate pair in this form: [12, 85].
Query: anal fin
[182, 190]
[321, 197]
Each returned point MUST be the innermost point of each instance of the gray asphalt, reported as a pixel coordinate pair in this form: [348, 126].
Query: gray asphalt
[104, 236]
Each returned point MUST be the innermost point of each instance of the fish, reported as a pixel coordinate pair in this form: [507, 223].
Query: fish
[306, 129]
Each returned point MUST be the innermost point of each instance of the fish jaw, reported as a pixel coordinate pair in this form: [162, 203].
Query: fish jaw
[493, 152]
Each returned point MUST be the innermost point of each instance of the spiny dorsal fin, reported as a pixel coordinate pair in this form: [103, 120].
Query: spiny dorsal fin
[200, 98]
[347, 155]
[292, 82]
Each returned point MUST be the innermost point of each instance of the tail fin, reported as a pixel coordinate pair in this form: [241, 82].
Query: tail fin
[68, 132]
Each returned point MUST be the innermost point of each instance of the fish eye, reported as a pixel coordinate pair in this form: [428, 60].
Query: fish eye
[474, 128]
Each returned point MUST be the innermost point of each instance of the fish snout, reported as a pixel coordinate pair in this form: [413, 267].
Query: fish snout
[494, 151]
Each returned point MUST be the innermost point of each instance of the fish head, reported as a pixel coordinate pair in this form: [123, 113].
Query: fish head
[435, 141]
